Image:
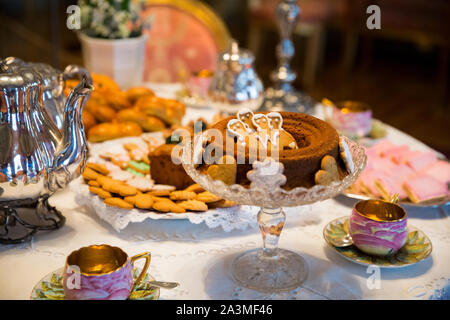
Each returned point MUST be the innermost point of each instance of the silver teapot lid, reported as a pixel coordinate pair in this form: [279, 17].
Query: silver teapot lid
[49, 78]
[235, 54]
[19, 77]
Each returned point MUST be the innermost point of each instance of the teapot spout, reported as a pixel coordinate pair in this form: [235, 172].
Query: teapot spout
[71, 153]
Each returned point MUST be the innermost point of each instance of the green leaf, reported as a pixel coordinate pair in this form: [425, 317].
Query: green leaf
[336, 229]
[50, 286]
[40, 294]
[412, 236]
[415, 248]
[56, 279]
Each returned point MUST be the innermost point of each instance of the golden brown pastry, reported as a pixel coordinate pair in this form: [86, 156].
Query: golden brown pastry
[88, 120]
[107, 131]
[138, 92]
[102, 113]
[118, 100]
[102, 82]
[168, 110]
[147, 123]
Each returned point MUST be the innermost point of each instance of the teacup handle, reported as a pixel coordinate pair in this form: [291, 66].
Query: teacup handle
[147, 256]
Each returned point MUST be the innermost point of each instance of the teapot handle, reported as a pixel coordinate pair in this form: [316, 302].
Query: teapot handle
[75, 71]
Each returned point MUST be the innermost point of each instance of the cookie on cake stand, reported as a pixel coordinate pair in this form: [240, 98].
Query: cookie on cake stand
[271, 269]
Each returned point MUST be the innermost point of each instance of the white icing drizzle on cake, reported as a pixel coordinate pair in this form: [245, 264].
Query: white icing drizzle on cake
[262, 127]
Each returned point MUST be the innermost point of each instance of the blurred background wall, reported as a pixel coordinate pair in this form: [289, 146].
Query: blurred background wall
[401, 70]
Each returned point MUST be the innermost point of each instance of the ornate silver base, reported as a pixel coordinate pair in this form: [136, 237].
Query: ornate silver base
[281, 100]
[257, 270]
[21, 219]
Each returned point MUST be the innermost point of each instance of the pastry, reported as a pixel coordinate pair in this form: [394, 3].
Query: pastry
[118, 202]
[195, 188]
[440, 170]
[182, 195]
[88, 120]
[314, 139]
[224, 170]
[193, 205]
[328, 172]
[102, 112]
[147, 123]
[422, 188]
[133, 94]
[141, 201]
[107, 131]
[118, 100]
[390, 168]
[90, 174]
[207, 197]
[421, 160]
[168, 206]
[388, 187]
[170, 111]
[100, 192]
[100, 168]
[222, 204]
[164, 171]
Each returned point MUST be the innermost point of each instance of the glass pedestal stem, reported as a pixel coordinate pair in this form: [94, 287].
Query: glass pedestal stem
[271, 223]
[270, 269]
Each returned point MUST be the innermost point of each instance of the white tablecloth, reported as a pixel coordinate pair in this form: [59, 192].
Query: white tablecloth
[199, 258]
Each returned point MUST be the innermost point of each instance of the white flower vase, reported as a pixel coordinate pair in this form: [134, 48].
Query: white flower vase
[121, 59]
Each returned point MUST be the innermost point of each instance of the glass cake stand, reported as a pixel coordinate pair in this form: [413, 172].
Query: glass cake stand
[271, 269]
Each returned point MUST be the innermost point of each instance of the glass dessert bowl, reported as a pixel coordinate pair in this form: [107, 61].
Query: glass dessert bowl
[271, 269]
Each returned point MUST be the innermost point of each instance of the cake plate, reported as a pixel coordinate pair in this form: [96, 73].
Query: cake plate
[271, 269]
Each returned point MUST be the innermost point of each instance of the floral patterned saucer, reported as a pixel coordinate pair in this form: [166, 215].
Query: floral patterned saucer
[419, 247]
[50, 288]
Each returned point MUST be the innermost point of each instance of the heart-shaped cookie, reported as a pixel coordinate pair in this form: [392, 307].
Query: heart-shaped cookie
[224, 170]
[328, 173]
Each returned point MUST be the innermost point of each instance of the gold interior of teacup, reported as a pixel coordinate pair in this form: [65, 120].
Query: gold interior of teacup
[98, 259]
[379, 210]
[352, 106]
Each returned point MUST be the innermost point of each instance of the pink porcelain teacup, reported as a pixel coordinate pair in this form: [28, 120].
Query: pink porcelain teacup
[378, 227]
[349, 117]
[101, 272]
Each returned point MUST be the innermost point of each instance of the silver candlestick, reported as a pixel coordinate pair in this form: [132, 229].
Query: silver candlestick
[283, 96]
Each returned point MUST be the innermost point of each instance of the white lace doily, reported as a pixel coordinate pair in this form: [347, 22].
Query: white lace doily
[238, 217]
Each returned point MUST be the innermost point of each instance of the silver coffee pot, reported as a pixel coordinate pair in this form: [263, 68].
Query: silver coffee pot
[235, 84]
[42, 141]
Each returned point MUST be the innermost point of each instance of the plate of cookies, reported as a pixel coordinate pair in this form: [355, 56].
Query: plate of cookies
[134, 178]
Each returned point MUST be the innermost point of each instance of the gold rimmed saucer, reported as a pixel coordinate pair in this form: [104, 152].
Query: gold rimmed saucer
[417, 247]
[50, 287]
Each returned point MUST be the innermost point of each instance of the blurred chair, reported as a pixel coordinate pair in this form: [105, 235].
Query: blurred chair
[186, 36]
[314, 14]
[425, 23]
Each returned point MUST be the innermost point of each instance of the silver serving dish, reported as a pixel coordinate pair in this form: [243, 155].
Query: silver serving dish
[36, 157]
[235, 84]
